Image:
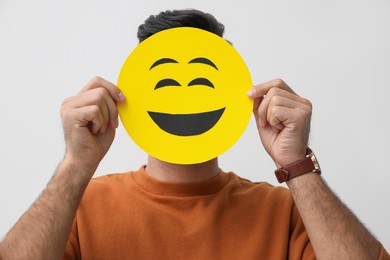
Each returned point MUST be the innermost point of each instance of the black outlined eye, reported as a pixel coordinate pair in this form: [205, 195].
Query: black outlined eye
[204, 61]
[166, 83]
[162, 61]
[201, 81]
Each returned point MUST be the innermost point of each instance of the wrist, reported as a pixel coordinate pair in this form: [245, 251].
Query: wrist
[290, 160]
[74, 169]
[308, 164]
[283, 159]
[81, 166]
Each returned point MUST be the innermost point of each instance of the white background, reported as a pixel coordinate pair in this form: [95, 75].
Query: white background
[335, 53]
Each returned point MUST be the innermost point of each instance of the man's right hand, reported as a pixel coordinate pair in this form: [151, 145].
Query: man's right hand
[89, 120]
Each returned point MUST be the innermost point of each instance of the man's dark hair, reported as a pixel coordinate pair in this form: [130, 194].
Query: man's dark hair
[179, 18]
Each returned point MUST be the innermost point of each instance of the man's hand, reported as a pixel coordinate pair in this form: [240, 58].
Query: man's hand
[283, 121]
[89, 121]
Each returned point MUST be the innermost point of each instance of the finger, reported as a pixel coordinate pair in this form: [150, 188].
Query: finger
[256, 104]
[278, 102]
[278, 116]
[113, 112]
[108, 106]
[100, 98]
[297, 119]
[276, 96]
[90, 115]
[260, 90]
[106, 117]
[113, 90]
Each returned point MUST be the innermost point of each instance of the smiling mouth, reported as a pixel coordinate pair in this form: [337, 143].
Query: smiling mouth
[186, 124]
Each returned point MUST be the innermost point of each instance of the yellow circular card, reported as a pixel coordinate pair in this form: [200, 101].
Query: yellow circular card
[186, 95]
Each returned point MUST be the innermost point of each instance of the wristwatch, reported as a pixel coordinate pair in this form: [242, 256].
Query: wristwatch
[298, 168]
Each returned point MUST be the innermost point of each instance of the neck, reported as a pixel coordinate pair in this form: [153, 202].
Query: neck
[181, 173]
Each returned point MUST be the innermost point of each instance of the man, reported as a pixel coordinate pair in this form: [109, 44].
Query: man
[171, 211]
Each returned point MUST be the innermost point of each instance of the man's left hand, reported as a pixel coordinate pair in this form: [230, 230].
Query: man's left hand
[283, 121]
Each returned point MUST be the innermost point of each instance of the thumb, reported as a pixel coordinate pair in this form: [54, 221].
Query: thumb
[256, 104]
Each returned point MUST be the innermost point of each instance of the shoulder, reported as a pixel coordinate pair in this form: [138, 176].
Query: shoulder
[257, 186]
[260, 192]
[109, 180]
[107, 187]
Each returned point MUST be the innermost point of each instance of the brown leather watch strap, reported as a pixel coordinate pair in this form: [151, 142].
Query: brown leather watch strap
[298, 168]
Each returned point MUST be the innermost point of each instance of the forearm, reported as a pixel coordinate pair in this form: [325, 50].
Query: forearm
[334, 231]
[42, 231]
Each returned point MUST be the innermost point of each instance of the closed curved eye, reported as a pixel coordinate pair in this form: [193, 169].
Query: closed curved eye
[201, 81]
[166, 82]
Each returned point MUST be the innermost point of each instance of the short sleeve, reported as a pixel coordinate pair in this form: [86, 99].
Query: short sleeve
[383, 254]
[299, 246]
[72, 250]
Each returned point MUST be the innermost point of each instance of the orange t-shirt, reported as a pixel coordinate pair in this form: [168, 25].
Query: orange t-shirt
[133, 216]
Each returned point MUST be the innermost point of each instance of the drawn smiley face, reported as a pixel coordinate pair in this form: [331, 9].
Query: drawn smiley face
[186, 95]
[186, 124]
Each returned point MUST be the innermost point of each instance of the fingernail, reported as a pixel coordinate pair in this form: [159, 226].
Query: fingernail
[251, 92]
[121, 97]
